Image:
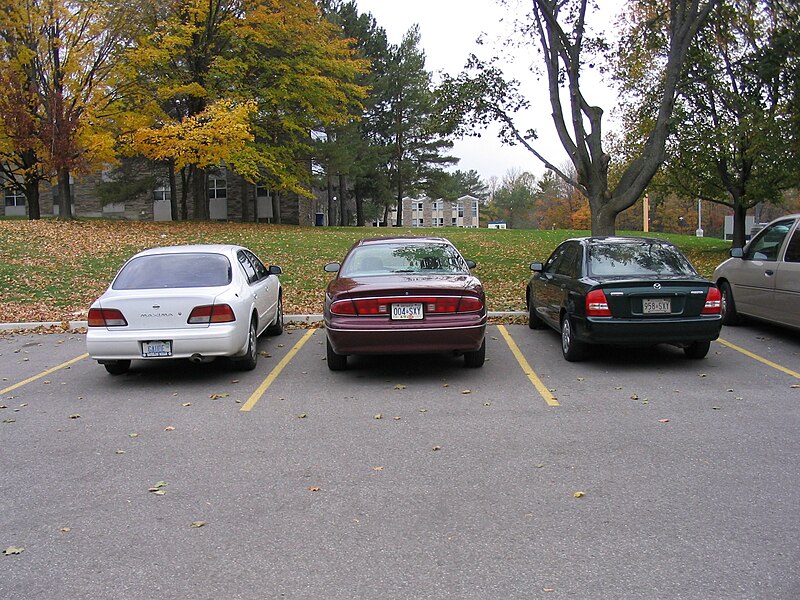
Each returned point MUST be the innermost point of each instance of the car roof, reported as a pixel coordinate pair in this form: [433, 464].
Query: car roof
[618, 239]
[191, 248]
[402, 239]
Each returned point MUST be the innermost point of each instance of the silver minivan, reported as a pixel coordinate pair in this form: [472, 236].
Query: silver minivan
[762, 280]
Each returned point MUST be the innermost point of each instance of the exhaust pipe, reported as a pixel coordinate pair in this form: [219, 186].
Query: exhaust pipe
[196, 358]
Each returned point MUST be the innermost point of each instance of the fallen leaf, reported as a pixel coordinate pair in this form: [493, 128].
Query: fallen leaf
[198, 524]
[423, 410]
[579, 494]
[13, 550]
[314, 489]
[635, 397]
[218, 396]
[435, 448]
[378, 416]
[396, 418]
[65, 529]
[539, 466]
[400, 386]
[377, 468]
[466, 391]
[663, 420]
[302, 416]
[133, 435]
[703, 375]
[186, 404]
[169, 428]
[120, 452]
[75, 416]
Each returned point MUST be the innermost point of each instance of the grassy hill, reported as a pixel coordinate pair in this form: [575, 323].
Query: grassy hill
[52, 270]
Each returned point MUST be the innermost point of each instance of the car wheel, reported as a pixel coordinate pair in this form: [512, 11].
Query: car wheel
[697, 349]
[336, 362]
[534, 320]
[572, 349]
[250, 359]
[119, 367]
[729, 315]
[475, 359]
[276, 328]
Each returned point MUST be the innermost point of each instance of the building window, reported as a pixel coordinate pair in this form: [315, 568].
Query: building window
[454, 222]
[436, 205]
[161, 193]
[14, 197]
[262, 191]
[460, 209]
[475, 209]
[217, 187]
[417, 206]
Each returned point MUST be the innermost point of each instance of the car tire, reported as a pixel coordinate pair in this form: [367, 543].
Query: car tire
[475, 359]
[249, 361]
[119, 367]
[276, 328]
[572, 349]
[697, 350]
[336, 362]
[729, 314]
[534, 320]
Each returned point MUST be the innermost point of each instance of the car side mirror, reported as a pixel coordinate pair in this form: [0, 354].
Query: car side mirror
[332, 267]
[737, 252]
[471, 263]
[275, 270]
[537, 267]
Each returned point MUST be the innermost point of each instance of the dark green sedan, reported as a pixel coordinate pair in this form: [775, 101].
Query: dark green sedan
[628, 291]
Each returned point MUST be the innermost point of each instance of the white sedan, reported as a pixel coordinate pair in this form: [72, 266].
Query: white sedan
[197, 302]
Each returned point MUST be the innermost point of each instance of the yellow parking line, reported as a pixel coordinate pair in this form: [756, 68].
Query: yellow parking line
[43, 374]
[256, 396]
[759, 358]
[526, 368]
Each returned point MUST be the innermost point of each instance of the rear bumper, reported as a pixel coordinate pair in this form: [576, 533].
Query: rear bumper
[356, 335]
[118, 344]
[636, 332]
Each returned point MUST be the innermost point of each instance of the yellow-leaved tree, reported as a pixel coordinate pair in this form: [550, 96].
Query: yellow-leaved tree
[240, 84]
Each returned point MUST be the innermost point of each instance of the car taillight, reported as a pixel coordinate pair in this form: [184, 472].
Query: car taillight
[212, 313]
[106, 317]
[713, 305]
[343, 307]
[597, 305]
[431, 305]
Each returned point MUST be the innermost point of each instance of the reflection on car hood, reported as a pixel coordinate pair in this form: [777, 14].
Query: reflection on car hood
[402, 283]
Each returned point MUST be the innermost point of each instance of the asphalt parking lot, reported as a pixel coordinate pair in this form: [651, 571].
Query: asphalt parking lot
[635, 474]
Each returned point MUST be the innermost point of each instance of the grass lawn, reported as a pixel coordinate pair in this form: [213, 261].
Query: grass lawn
[52, 270]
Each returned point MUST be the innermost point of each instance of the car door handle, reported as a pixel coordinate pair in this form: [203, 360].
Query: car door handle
[769, 272]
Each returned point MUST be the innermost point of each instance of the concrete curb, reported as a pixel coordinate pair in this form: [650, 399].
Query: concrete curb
[287, 319]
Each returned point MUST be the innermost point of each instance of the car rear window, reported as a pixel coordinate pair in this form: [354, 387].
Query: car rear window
[383, 259]
[637, 260]
[174, 271]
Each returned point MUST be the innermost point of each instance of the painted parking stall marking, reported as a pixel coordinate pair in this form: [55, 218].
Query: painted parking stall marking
[43, 373]
[527, 369]
[256, 395]
[760, 359]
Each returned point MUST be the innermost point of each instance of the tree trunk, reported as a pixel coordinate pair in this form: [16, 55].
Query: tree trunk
[246, 195]
[359, 209]
[604, 217]
[342, 200]
[64, 195]
[199, 191]
[186, 177]
[739, 225]
[330, 199]
[173, 191]
[32, 198]
[276, 208]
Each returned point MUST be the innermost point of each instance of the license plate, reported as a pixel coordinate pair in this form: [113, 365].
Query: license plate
[404, 312]
[162, 348]
[656, 306]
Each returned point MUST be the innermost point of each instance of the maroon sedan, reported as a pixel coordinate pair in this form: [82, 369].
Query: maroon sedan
[404, 295]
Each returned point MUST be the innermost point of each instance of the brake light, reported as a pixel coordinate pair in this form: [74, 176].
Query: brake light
[597, 305]
[382, 306]
[106, 317]
[343, 307]
[713, 305]
[211, 313]
[470, 304]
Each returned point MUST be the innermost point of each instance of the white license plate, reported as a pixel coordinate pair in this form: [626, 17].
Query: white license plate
[656, 306]
[403, 312]
[162, 348]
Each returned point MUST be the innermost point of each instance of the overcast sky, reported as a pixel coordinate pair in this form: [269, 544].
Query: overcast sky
[448, 31]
